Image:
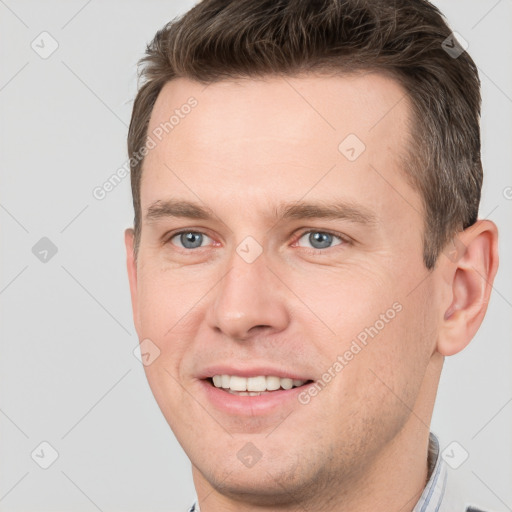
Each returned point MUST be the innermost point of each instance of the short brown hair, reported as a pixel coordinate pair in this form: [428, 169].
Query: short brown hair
[409, 39]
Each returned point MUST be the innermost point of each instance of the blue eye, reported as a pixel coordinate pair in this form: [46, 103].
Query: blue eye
[189, 239]
[320, 239]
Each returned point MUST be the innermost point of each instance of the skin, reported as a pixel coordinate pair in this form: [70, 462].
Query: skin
[247, 146]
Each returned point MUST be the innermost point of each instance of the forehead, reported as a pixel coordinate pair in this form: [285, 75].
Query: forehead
[277, 137]
[282, 106]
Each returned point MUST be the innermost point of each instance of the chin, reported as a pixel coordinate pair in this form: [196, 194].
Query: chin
[266, 482]
[256, 486]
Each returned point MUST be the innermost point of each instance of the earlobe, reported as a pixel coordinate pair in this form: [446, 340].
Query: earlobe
[471, 273]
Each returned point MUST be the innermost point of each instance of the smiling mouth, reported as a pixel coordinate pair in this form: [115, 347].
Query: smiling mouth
[254, 386]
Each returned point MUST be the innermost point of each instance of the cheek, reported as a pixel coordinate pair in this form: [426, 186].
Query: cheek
[164, 300]
[384, 336]
[164, 312]
[169, 395]
[399, 356]
[335, 305]
[378, 388]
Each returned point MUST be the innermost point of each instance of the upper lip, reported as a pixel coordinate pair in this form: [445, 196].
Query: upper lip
[251, 371]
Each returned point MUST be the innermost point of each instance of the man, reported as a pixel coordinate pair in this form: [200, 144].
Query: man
[306, 251]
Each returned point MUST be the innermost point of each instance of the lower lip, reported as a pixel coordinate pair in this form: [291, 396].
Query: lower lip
[266, 403]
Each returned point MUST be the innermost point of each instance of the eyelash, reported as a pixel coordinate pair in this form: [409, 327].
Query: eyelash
[344, 239]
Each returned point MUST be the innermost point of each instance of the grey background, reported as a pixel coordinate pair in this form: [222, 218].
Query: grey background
[68, 375]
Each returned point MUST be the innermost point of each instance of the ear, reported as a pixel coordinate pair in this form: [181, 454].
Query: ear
[470, 270]
[131, 265]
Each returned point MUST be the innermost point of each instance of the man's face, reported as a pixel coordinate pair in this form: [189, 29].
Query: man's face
[254, 292]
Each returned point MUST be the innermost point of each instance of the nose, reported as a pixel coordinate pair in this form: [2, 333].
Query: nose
[248, 301]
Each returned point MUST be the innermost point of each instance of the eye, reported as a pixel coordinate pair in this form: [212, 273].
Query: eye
[189, 239]
[321, 239]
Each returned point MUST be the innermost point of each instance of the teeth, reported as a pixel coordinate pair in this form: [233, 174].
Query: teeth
[256, 383]
[238, 383]
[287, 383]
[252, 386]
[273, 383]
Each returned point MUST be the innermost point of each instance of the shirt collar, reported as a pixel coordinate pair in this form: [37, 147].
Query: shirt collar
[433, 495]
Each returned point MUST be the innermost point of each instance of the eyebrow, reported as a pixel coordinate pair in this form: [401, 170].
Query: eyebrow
[339, 210]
